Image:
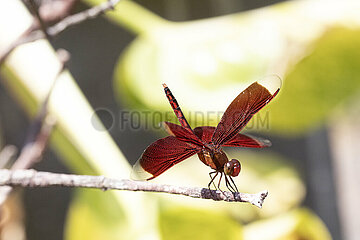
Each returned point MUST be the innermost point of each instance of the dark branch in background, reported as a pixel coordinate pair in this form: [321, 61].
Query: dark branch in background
[40, 129]
[32, 178]
[52, 11]
[40, 22]
[47, 14]
[33, 33]
[30, 154]
[82, 16]
[38, 134]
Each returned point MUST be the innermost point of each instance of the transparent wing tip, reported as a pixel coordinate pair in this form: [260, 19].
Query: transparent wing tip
[139, 173]
[271, 82]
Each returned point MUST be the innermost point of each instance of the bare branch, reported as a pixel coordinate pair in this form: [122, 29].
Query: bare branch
[41, 23]
[81, 17]
[32, 152]
[25, 37]
[40, 129]
[55, 10]
[39, 132]
[31, 35]
[32, 178]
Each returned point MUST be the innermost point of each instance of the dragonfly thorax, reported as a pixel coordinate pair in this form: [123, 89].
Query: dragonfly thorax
[214, 158]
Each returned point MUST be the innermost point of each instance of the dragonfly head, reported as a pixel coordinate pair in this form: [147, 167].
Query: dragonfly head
[232, 168]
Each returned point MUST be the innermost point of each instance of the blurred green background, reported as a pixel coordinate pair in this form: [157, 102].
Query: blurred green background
[207, 52]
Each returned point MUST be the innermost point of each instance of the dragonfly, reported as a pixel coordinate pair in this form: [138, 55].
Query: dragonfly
[207, 141]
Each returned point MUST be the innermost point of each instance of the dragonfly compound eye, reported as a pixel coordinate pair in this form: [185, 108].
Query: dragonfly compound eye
[232, 168]
[236, 167]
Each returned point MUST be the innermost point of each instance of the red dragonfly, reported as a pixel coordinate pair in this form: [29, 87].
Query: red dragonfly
[208, 141]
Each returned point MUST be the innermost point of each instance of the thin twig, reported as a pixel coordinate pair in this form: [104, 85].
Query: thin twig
[30, 154]
[82, 16]
[42, 24]
[31, 36]
[25, 37]
[38, 122]
[38, 134]
[54, 11]
[32, 178]
[40, 129]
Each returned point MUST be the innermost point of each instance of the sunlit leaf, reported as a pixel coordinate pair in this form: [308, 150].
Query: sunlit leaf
[318, 84]
[297, 224]
[207, 63]
[178, 223]
[95, 215]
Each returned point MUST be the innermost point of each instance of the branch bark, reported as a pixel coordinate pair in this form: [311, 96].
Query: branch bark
[32, 178]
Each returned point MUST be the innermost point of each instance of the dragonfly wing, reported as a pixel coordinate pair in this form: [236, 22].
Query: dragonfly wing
[162, 155]
[204, 133]
[181, 133]
[243, 107]
[242, 140]
[239, 140]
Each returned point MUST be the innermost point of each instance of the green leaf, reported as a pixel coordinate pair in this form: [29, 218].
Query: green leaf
[93, 215]
[297, 224]
[207, 63]
[319, 83]
[268, 171]
[178, 223]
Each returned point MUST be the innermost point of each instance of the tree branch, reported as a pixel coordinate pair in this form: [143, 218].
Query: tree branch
[31, 35]
[39, 132]
[81, 17]
[32, 178]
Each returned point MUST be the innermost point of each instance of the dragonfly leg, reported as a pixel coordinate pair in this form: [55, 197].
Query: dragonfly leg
[212, 181]
[228, 185]
[221, 174]
[233, 183]
[220, 181]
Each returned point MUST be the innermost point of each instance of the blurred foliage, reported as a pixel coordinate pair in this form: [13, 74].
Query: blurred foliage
[192, 67]
[293, 225]
[208, 63]
[95, 215]
[311, 91]
[319, 83]
[272, 172]
[189, 223]
[12, 224]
